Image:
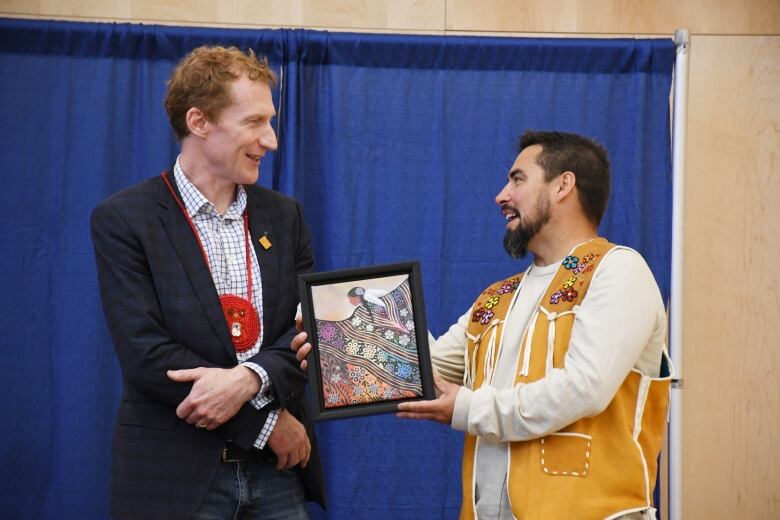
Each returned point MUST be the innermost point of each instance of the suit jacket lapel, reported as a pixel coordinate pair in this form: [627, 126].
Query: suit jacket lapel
[191, 258]
[261, 224]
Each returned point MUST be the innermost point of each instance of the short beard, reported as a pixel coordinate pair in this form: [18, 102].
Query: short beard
[516, 241]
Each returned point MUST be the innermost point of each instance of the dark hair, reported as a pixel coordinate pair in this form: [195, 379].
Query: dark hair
[357, 291]
[584, 157]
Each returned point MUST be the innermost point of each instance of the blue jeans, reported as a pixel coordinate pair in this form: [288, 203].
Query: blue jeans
[253, 490]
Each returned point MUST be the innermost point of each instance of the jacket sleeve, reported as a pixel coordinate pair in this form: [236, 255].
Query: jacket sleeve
[288, 381]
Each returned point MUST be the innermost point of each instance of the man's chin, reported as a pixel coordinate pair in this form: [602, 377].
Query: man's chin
[250, 177]
[514, 245]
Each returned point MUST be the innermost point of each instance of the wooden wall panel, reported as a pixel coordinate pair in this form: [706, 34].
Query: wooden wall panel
[21, 7]
[251, 12]
[571, 16]
[396, 15]
[174, 10]
[616, 16]
[731, 420]
[107, 9]
[376, 14]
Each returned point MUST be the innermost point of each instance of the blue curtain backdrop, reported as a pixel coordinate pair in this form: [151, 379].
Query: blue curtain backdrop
[396, 145]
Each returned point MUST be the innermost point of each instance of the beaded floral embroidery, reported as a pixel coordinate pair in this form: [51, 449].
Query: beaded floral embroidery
[483, 313]
[372, 355]
[577, 266]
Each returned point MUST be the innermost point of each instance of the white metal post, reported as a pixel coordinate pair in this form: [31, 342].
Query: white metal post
[679, 128]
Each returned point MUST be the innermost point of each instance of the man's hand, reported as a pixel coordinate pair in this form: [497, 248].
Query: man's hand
[289, 442]
[217, 394]
[299, 345]
[301, 349]
[440, 409]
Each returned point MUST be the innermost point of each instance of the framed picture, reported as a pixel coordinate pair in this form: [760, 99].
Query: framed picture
[370, 339]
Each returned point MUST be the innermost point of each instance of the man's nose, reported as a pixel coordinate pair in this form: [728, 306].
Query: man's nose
[268, 138]
[503, 195]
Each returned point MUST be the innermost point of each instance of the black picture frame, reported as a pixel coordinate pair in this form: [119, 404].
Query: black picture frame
[361, 362]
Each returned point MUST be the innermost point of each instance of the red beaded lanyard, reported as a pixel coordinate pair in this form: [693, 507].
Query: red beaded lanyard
[240, 314]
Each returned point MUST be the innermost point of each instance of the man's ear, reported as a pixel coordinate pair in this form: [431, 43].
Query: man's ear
[196, 122]
[565, 185]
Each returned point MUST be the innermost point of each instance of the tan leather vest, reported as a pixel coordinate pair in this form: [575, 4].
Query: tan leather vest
[597, 467]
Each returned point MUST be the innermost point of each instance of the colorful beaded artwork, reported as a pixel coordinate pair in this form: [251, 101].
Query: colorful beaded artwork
[483, 308]
[577, 266]
[372, 355]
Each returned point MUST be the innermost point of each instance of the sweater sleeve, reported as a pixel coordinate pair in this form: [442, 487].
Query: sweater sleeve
[620, 326]
[447, 352]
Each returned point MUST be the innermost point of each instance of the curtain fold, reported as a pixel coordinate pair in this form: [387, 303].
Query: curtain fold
[396, 146]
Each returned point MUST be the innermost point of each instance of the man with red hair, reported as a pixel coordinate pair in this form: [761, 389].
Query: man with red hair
[197, 271]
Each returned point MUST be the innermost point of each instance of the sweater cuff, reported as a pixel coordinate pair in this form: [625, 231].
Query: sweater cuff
[460, 415]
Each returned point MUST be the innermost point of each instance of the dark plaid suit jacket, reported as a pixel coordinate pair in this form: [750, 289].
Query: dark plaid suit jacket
[163, 313]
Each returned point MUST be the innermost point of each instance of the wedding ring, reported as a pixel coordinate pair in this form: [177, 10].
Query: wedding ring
[201, 425]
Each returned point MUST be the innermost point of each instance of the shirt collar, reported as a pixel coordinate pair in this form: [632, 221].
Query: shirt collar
[195, 202]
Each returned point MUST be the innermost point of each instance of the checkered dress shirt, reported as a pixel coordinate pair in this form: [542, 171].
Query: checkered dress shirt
[222, 237]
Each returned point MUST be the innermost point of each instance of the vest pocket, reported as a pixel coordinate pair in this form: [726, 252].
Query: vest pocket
[566, 454]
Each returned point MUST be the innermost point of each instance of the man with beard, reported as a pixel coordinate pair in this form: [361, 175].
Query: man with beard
[558, 375]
